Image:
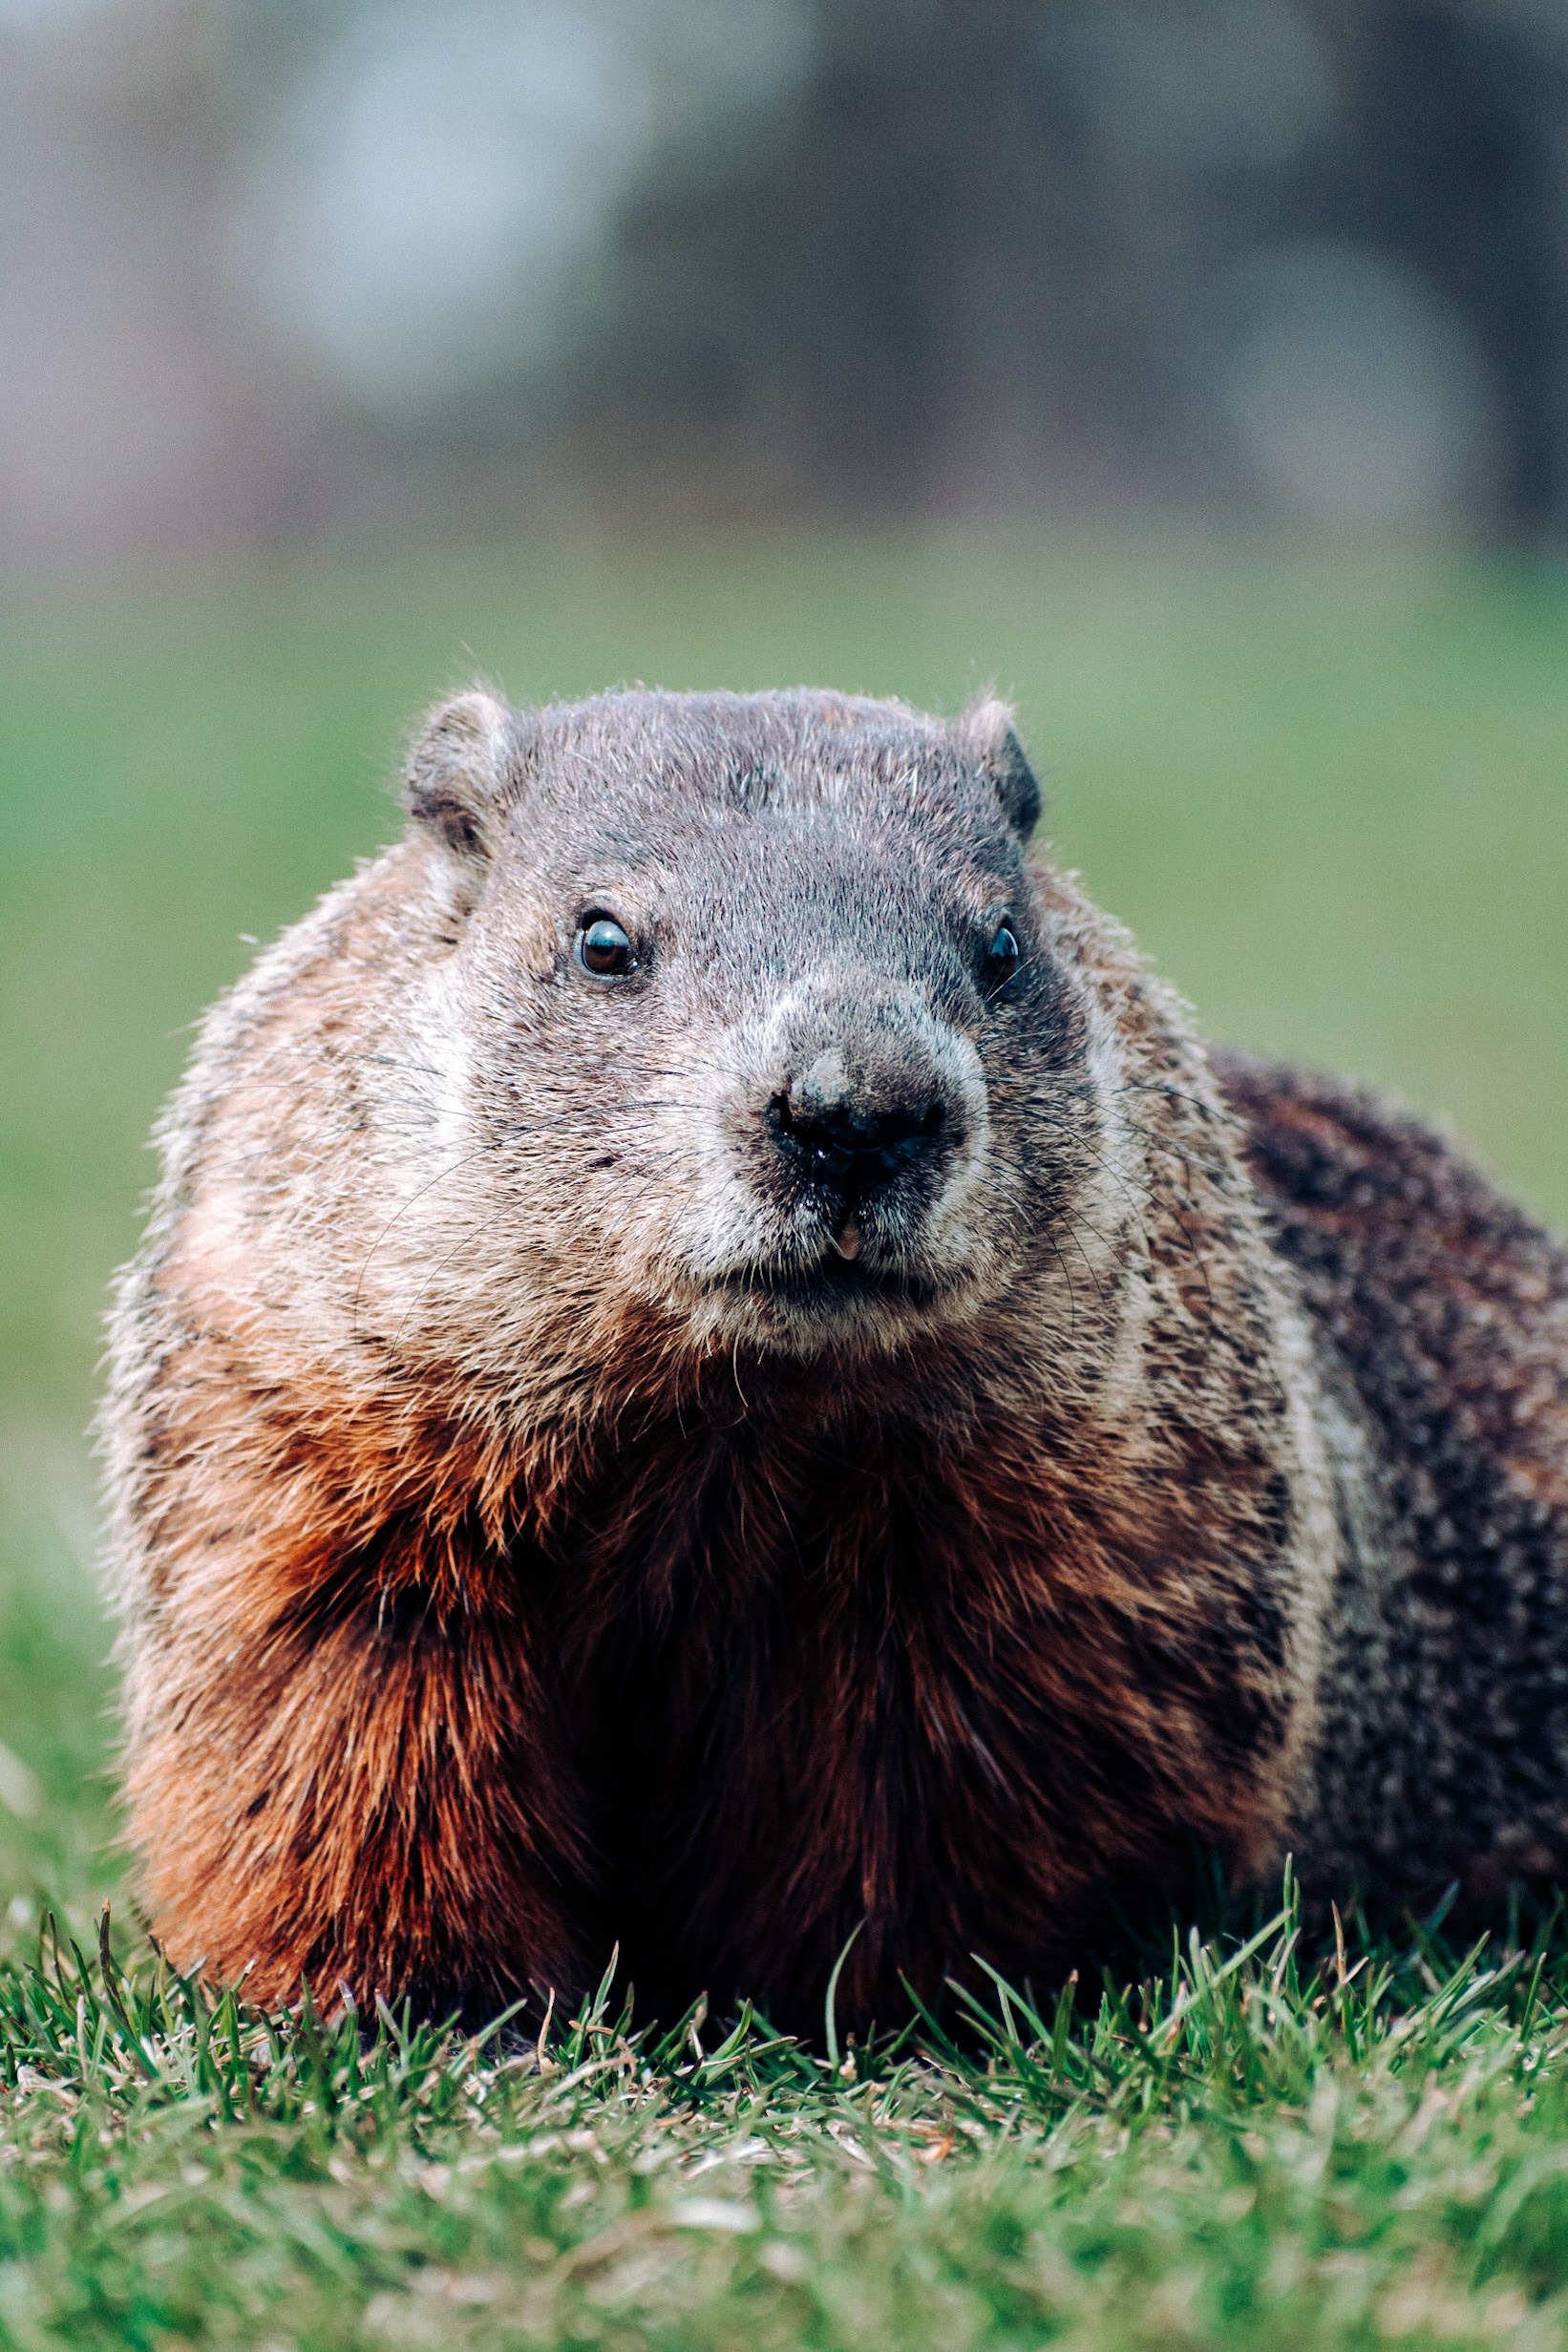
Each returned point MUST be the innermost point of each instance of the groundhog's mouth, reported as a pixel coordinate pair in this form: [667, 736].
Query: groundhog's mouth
[830, 1281]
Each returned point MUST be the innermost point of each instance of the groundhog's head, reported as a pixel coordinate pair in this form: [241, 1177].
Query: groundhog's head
[753, 1014]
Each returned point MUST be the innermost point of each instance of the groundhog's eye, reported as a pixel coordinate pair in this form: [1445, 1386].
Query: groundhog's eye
[603, 949]
[1002, 955]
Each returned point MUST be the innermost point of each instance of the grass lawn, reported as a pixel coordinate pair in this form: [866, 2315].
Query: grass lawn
[1331, 796]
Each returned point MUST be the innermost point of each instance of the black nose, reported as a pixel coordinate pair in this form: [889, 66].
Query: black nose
[850, 1147]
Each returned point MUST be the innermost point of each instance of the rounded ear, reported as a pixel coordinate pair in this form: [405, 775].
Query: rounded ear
[987, 732]
[458, 773]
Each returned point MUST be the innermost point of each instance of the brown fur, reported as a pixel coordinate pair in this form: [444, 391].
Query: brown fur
[503, 1574]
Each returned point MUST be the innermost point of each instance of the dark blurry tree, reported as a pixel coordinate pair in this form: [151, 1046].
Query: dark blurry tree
[983, 254]
[1451, 154]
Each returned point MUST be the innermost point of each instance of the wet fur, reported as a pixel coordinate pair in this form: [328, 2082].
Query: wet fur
[500, 1579]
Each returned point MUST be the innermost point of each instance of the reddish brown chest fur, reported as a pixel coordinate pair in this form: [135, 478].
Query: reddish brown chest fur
[741, 1679]
[824, 1684]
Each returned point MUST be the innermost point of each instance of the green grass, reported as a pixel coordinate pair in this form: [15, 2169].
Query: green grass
[1331, 796]
[1240, 2150]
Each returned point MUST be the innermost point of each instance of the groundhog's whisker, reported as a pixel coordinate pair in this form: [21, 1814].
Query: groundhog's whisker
[440, 1176]
[1176, 1146]
[1122, 1177]
[596, 1111]
[1156, 1198]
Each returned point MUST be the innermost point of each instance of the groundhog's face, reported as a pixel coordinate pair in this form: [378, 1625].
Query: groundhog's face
[762, 1026]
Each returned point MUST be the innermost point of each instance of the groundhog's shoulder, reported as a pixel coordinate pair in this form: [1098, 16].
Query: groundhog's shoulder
[1368, 1196]
[1445, 1303]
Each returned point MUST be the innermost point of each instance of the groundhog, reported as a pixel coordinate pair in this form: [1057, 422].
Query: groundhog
[717, 1369]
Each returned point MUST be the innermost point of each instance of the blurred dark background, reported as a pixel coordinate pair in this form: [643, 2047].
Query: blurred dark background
[284, 273]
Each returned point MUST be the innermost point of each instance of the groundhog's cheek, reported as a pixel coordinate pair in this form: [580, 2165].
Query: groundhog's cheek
[215, 1260]
[721, 1219]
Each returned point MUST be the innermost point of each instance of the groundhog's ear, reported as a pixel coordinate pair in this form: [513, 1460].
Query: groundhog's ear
[458, 772]
[987, 732]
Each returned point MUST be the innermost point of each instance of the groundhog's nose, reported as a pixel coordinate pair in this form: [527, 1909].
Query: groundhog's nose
[847, 1143]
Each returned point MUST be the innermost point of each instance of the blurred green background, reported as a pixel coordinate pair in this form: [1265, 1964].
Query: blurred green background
[1329, 793]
